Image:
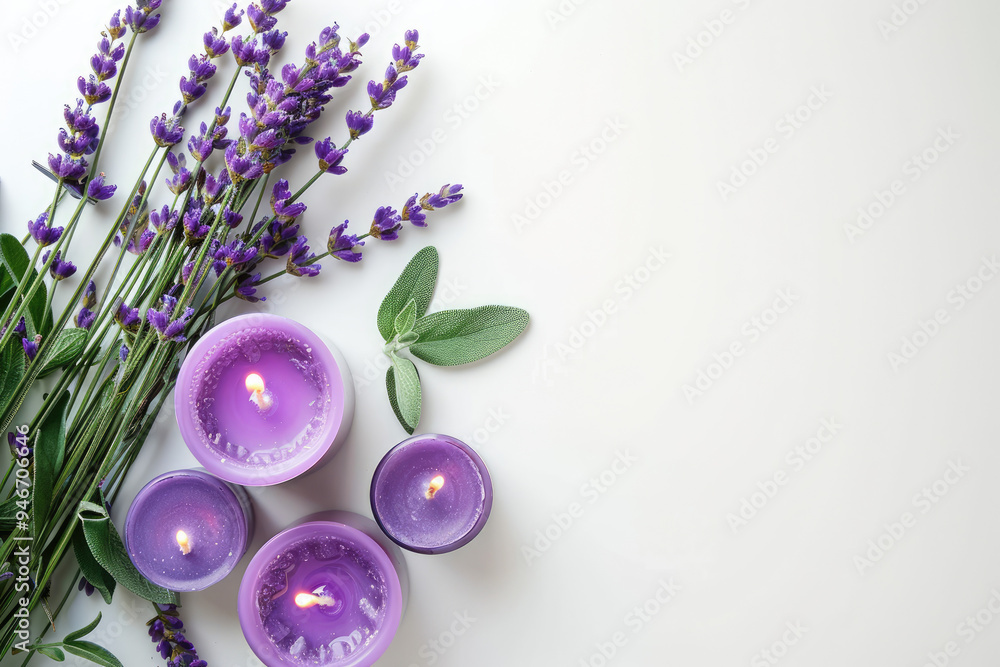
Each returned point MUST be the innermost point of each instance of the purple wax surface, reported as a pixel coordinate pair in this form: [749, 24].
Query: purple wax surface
[259, 439]
[359, 588]
[453, 515]
[216, 519]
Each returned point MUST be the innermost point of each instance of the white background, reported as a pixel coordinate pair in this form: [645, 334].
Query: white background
[662, 135]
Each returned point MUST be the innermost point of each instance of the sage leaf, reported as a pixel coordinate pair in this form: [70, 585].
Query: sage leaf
[93, 652]
[50, 449]
[92, 571]
[11, 369]
[66, 347]
[53, 652]
[409, 338]
[408, 396]
[416, 282]
[84, 631]
[453, 337]
[406, 318]
[15, 262]
[108, 550]
[390, 386]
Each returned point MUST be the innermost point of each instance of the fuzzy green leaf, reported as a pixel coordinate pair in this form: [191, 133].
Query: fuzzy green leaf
[92, 571]
[84, 631]
[453, 337]
[406, 318]
[66, 347]
[11, 369]
[14, 262]
[93, 652]
[53, 652]
[416, 282]
[390, 387]
[408, 396]
[50, 449]
[108, 550]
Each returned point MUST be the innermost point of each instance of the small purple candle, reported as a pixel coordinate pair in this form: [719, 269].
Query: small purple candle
[187, 530]
[261, 399]
[431, 494]
[324, 594]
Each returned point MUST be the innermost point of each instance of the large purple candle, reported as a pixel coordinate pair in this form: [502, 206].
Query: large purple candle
[186, 529]
[322, 593]
[261, 399]
[431, 494]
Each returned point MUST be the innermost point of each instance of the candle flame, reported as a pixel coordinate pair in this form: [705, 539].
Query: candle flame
[258, 395]
[184, 542]
[306, 600]
[434, 486]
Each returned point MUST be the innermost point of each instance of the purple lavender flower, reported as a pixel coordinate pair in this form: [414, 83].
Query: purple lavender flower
[449, 194]
[163, 220]
[93, 90]
[246, 53]
[141, 244]
[273, 40]
[246, 288]
[414, 212]
[385, 225]
[330, 157]
[166, 131]
[200, 145]
[127, 318]
[299, 258]
[89, 299]
[85, 318]
[67, 168]
[21, 328]
[169, 330]
[141, 19]
[231, 218]
[181, 180]
[123, 353]
[259, 20]
[215, 44]
[59, 269]
[283, 210]
[215, 187]
[278, 239]
[41, 232]
[80, 142]
[115, 26]
[222, 115]
[243, 167]
[359, 123]
[342, 245]
[236, 254]
[31, 346]
[96, 189]
[194, 230]
[232, 18]
[86, 587]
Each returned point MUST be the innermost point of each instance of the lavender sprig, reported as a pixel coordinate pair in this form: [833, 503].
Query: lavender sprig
[165, 631]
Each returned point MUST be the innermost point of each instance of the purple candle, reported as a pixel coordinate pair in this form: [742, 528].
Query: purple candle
[431, 494]
[187, 530]
[322, 593]
[261, 399]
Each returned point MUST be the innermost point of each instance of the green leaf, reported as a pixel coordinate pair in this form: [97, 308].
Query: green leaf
[416, 282]
[453, 337]
[390, 386]
[92, 571]
[107, 548]
[14, 262]
[93, 652]
[408, 397]
[50, 449]
[8, 513]
[53, 652]
[11, 369]
[404, 321]
[84, 631]
[65, 348]
[409, 338]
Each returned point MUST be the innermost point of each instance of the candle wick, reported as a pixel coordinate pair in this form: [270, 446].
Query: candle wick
[261, 399]
[430, 492]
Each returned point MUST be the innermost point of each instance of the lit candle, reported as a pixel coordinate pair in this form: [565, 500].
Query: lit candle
[187, 530]
[325, 593]
[431, 494]
[261, 399]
